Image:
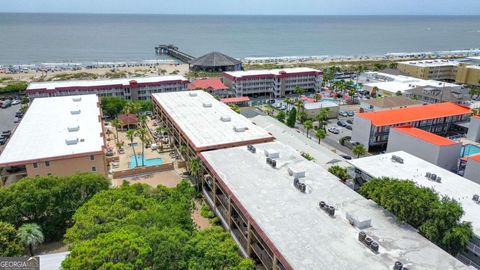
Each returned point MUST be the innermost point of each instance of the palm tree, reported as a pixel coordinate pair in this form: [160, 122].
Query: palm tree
[120, 144]
[143, 120]
[128, 108]
[131, 136]
[116, 124]
[299, 104]
[308, 125]
[299, 90]
[322, 116]
[321, 134]
[31, 236]
[359, 150]
[142, 134]
[194, 169]
[183, 150]
[317, 97]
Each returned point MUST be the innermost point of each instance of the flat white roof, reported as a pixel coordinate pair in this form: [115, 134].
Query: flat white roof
[414, 168]
[200, 118]
[275, 72]
[305, 235]
[319, 105]
[432, 63]
[394, 83]
[44, 130]
[91, 83]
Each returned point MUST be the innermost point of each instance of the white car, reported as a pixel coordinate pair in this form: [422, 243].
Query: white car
[334, 130]
[15, 102]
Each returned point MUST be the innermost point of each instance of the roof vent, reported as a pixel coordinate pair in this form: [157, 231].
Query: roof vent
[296, 172]
[207, 105]
[476, 198]
[397, 159]
[74, 112]
[73, 128]
[240, 128]
[302, 187]
[271, 153]
[71, 141]
[358, 220]
[192, 94]
[433, 177]
[226, 118]
[330, 210]
[77, 99]
[251, 148]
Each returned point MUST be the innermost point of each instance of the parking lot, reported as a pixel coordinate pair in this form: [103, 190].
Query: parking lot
[7, 116]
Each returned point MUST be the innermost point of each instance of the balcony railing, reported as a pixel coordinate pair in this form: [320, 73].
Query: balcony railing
[266, 260]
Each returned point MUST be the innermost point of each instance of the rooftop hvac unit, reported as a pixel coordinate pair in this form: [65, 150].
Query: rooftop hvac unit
[374, 246]
[207, 105]
[476, 198]
[251, 148]
[269, 161]
[192, 94]
[439, 179]
[240, 128]
[73, 128]
[226, 118]
[77, 99]
[71, 141]
[397, 159]
[271, 153]
[296, 172]
[397, 266]
[361, 236]
[428, 175]
[358, 219]
[274, 163]
[75, 111]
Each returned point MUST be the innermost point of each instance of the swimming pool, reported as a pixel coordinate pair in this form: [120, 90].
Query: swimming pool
[470, 149]
[148, 161]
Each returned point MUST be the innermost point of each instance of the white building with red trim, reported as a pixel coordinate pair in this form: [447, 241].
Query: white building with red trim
[127, 88]
[274, 82]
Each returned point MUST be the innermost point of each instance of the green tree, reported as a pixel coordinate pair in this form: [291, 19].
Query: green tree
[308, 125]
[116, 124]
[48, 201]
[112, 105]
[114, 250]
[131, 134]
[18, 87]
[299, 90]
[322, 116]
[302, 117]
[475, 92]
[398, 93]
[317, 97]
[321, 134]
[195, 168]
[31, 236]
[281, 116]
[292, 117]
[142, 134]
[10, 244]
[299, 103]
[359, 150]
[234, 107]
[439, 220]
[339, 172]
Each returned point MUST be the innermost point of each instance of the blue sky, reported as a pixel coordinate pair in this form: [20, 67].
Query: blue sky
[294, 7]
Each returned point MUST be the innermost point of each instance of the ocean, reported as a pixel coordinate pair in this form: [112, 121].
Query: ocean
[40, 38]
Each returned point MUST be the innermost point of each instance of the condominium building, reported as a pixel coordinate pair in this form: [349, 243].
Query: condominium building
[391, 85]
[430, 147]
[286, 212]
[372, 128]
[401, 165]
[58, 136]
[200, 122]
[127, 88]
[272, 83]
[460, 71]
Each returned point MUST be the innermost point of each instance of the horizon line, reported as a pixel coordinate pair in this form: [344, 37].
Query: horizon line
[226, 14]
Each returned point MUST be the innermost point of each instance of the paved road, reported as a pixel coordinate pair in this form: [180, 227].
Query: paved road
[7, 116]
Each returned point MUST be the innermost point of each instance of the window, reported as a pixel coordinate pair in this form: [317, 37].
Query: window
[47, 163]
[94, 169]
[92, 157]
[35, 165]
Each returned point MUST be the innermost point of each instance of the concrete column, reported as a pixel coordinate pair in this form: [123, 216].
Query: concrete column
[274, 263]
[229, 217]
[249, 239]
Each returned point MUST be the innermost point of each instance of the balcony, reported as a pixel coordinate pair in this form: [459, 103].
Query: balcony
[266, 260]
[473, 248]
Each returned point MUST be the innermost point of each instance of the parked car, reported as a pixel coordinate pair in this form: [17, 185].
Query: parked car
[341, 123]
[346, 157]
[343, 113]
[15, 102]
[6, 133]
[349, 127]
[334, 130]
[3, 140]
[350, 121]
[350, 113]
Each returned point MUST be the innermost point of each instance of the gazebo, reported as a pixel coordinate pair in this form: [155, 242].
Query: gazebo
[128, 120]
[215, 62]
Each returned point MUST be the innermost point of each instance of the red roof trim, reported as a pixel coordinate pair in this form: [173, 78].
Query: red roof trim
[425, 136]
[235, 99]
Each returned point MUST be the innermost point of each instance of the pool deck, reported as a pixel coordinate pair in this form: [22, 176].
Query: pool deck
[466, 141]
[167, 178]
